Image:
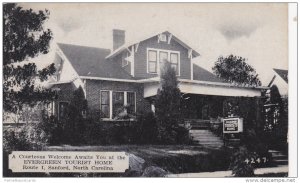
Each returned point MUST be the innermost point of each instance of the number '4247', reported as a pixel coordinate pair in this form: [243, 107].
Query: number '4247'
[256, 161]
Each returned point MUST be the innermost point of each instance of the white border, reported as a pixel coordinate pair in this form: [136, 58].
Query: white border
[293, 91]
[293, 81]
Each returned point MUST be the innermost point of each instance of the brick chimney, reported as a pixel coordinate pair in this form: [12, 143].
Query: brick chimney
[118, 38]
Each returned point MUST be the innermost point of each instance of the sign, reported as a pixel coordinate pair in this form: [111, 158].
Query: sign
[232, 125]
[68, 161]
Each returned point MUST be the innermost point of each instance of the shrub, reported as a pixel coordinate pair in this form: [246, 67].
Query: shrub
[15, 139]
[167, 104]
[128, 134]
[94, 133]
[148, 128]
[27, 137]
[74, 122]
[241, 163]
[253, 142]
[53, 128]
[183, 135]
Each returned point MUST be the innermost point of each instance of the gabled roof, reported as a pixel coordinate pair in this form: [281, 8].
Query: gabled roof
[282, 73]
[90, 61]
[204, 75]
[126, 45]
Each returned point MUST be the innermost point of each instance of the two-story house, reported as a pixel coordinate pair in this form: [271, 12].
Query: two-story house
[128, 75]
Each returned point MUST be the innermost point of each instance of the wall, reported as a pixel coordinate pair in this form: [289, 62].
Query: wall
[140, 57]
[119, 58]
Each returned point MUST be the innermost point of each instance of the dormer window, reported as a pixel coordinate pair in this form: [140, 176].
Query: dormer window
[155, 58]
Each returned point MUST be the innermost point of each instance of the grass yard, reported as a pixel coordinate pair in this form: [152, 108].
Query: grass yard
[172, 158]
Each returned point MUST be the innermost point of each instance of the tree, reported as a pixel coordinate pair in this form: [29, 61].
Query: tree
[24, 38]
[276, 123]
[234, 69]
[167, 105]
[75, 121]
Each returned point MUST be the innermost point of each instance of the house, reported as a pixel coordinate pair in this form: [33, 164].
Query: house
[128, 75]
[280, 79]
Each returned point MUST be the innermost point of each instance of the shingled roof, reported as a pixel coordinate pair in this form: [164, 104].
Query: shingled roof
[204, 75]
[90, 61]
[282, 73]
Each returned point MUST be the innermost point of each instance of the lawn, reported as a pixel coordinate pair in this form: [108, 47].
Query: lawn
[172, 158]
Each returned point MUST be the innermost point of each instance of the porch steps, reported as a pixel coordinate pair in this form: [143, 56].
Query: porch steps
[206, 138]
[279, 158]
[199, 123]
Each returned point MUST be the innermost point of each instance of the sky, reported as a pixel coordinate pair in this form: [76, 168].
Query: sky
[255, 31]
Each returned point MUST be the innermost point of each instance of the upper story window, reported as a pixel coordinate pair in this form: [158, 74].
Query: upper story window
[163, 37]
[125, 59]
[152, 61]
[163, 56]
[174, 61]
[155, 58]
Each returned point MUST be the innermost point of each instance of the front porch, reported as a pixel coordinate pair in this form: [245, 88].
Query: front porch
[204, 103]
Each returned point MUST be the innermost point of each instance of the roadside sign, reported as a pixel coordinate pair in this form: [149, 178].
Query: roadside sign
[232, 125]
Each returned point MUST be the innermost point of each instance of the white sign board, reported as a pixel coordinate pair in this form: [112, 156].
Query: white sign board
[232, 125]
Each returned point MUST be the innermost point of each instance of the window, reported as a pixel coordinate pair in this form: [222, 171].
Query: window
[163, 37]
[125, 60]
[120, 99]
[118, 103]
[152, 61]
[163, 56]
[105, 111]
[130, 102]
[62, 109]
[174, 61]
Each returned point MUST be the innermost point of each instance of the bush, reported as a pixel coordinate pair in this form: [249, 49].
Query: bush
[183, 135]
[53, 128]
[168, 106]
[24, 138]
[94, 133]
[148, 128]
[253, 142]
[239, 164]
[15, 139]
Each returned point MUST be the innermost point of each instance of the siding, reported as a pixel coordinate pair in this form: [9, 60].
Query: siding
[119, 60]
[140, 67]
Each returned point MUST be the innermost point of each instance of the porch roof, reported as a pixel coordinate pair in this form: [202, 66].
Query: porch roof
[206, 88]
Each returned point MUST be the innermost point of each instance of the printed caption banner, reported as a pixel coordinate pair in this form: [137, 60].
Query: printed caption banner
[68, 161]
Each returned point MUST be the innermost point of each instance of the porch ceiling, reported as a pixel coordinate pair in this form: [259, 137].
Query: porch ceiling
[150, 89]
